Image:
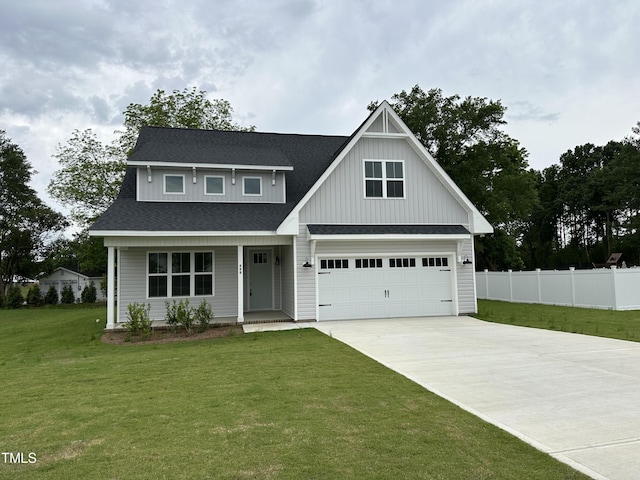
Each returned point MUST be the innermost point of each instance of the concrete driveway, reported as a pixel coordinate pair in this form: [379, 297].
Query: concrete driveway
[573, 396]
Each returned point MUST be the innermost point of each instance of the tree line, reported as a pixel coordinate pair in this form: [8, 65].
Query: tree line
[575, 212]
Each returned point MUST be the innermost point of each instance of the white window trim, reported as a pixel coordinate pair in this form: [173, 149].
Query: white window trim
[244, 194]
[214, 176]
[384, 179]
[192, 273]
[164, 183]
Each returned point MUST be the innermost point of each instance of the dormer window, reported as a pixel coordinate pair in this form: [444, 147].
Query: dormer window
[174, 184]
[252, 186]
[384, 179]
[213, 185]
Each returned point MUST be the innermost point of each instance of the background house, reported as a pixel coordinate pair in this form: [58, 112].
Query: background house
[61, 277]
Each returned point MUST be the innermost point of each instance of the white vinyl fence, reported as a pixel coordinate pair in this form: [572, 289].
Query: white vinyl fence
[614, 289]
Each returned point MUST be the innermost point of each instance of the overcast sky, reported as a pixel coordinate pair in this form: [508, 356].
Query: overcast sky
[568, 71]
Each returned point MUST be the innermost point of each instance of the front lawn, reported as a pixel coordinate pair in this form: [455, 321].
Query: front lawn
[280, 405]
[588, 321]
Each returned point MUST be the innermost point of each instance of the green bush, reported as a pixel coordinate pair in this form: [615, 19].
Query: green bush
[89, 293]
[34, 296]
[180, 314]
[67, 295]
[203, 315]
[138, 322]
[14, 297]
[51, 298]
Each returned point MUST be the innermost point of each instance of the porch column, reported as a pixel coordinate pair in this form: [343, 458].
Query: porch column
[240, 284]
[111, 283]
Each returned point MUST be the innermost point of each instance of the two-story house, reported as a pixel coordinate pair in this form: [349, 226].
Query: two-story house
[313, 227]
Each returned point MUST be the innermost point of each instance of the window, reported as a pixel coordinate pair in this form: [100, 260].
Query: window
[157, 274]
[252, 186]
[213, 185]
[174, 184]
[204, 273]
[334, 263]
[402, 262]
[178, 274]
[435, 262]
[384, 179]
[368, 263]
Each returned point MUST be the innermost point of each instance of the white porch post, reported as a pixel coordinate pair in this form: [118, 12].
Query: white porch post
[111, 283]
[240, 284]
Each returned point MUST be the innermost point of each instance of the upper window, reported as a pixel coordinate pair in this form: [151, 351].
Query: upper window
[174, 184]
[252, 186]
[213, 185]
[384, 179]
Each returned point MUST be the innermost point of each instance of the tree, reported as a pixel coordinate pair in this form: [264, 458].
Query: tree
[51, 297]
[25, 221]
[34, 296]
[67, 295]
[465, 137]
[89, 178]
[180, 109]
[91, 172]
[89, 293]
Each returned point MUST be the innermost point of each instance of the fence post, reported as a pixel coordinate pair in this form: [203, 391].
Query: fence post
[573, 286]
[539, 289]
[486, 282]
[510, 285]
[614, 279]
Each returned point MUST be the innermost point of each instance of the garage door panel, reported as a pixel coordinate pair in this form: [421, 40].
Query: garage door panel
[392, 287]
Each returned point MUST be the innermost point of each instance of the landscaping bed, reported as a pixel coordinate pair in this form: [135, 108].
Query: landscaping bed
[167, 335]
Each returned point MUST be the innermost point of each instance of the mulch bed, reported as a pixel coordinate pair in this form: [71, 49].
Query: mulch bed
[168, 336]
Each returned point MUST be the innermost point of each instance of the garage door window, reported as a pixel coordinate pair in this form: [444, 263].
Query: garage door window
[435, 262]
[402, 262]
[334, 263]
[368, 263]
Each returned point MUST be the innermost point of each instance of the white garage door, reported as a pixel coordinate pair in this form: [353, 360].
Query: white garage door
[380, 287]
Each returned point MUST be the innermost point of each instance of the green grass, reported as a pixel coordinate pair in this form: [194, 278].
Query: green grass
[587, 321]
[280, 405]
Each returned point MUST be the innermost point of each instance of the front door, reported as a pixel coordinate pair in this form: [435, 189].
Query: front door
[260, 280]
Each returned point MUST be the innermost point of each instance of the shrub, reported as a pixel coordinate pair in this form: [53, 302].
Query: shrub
[138, 322]
[180, 314]
[34, 296]
[51, 298]
[14, 297]
[67, 295]
[203, 315]
[89, 293]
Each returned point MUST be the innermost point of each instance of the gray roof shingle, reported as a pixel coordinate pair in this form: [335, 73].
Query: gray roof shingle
[309, 155]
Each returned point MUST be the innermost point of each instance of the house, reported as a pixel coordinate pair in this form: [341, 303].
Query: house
[62, 277]
[313, 227]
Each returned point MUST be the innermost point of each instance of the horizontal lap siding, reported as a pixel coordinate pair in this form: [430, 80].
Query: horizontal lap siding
[467, 302]
[287, 273]
[133, 283]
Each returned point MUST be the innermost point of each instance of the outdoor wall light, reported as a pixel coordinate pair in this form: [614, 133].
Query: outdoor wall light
[277, 260]
[307, 264]
[467, 261]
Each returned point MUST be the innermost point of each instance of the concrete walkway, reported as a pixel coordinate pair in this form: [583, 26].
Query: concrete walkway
[573, 396]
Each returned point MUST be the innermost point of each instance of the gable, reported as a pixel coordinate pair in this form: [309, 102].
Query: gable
[342, 199]
[439, 199]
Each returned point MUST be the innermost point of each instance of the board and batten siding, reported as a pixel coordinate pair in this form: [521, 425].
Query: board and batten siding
[194, 192]
[133, 283]
[341, 199]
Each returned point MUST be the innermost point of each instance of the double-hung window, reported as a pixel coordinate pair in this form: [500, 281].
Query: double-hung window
[384, 178]
[179, 274]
